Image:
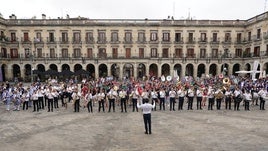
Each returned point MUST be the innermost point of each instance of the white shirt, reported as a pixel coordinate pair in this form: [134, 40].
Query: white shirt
[146, 107]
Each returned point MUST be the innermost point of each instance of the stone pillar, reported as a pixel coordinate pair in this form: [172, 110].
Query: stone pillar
[9, 75]
[135, 71]
[121, 71]
[183, 70]
[159, 70]
[96, 71]
[109, 73]
[147, 70]
[195, 71]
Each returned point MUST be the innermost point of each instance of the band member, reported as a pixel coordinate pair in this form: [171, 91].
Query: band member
[112, 97]
[144, 96]
[211, 94]
[88, 99]
[248, 98]
[76, 98]
[199, 98]
[219, 96]
[56, 98]
[146, 109]
[190, 97]
[35, 101]
[101, 99]
[204, 98]
[228, 98]
[40, 98]
[123, 95]
[50, 98]
[154, 96]
[65, 98]
[263, 96]
[134, 97]
[17, 100]
[172, 97]
[237, 98]
[181, 94]
[162, 96]
[25, 100]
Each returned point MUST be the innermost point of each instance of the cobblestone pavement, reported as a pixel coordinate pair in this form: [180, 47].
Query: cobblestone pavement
[194, 130]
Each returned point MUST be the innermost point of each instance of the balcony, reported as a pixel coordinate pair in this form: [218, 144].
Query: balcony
[13, 42]
[128, 41]
[165, 41]
[215, 41]
[227, 41]
[38, 42]
[64, 42]
[77, 42]
[89, 40]
[153, 42]
[51, 42]
[178, 40]
[202, 40]
[190, 41]
[102, 40]
[257, 38]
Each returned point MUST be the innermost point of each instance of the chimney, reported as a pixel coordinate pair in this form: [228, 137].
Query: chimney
[13, 16]
[43, 16]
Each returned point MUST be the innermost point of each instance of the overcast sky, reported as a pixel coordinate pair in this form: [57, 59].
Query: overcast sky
[134, 9]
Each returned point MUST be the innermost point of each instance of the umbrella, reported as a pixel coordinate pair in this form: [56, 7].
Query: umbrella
[51, 72]
[66, 73]
[81, 71]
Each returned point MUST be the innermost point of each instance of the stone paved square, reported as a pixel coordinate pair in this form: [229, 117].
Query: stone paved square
[194, 130]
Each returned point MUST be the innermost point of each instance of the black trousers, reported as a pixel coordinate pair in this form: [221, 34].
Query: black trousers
[50, 105]
[89, 106]
[147, 123]
[134, 105]
[41, 102]
[162, 103]
[198, 103]
[228, 103]
[154, 100]
[236, 103]
[218, 104]
[56, 102]
[262, 103]
[101, 105]
[36, 105]
[25, 105]
[190, 103]
[77, 105]
[111, 103]
[181, 100]
[210, 103]
[172, 104]
[246, 105]
[123, 104]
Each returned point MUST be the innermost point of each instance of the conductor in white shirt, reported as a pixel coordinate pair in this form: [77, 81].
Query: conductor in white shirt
[146, 110]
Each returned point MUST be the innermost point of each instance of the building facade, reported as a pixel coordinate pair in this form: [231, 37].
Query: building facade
[132, 48]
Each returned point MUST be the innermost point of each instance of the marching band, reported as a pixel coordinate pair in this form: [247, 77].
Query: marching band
[129, 93]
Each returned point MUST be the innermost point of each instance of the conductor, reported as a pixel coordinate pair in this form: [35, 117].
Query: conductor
[146, 110]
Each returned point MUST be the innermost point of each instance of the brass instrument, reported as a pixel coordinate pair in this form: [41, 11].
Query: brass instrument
[219, 95]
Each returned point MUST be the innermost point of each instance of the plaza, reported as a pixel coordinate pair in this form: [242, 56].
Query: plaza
[184, 130]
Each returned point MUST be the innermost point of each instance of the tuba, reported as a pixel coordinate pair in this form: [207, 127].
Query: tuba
[226, 81]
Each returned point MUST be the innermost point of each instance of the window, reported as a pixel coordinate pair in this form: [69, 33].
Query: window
[227, 37]
[64, 53]
[128, 52]
[165, 53]
[203, 37]
[13, 37]
[258, 33]
[239, 38]
[76, 38]
[141, 52]
[166, 37]
[214, 53]
[214, 37]
[178, 37]
[128, 37]
[178, 53]
[153, 52]
[115, 53]
[141, 37]
[3, 53]
[202, 53]
[153, 36]
[191, 37]
[89, 53]
[52, 53]
[64, 37]
[14, 53]
[39, 53]
[38, 37]
[25, 37]
[89, 37]
[256, 51]
[101, 37]
[102, 53]
[114, 37]
[190, 53]
[27, 53]
[238, 52]
[77, 53]
[51, 37]
[249, 36]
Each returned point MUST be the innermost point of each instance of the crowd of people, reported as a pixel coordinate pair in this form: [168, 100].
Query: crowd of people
[106, 94]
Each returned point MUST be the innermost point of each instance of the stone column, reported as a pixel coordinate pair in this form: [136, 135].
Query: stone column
[135, 70]
[96, 71]
[121, 71]
[159, 70]
[109, 70]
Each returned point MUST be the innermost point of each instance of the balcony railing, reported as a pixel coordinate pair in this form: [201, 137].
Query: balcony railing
[102, 40]
[215, 41]
[190, 41]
